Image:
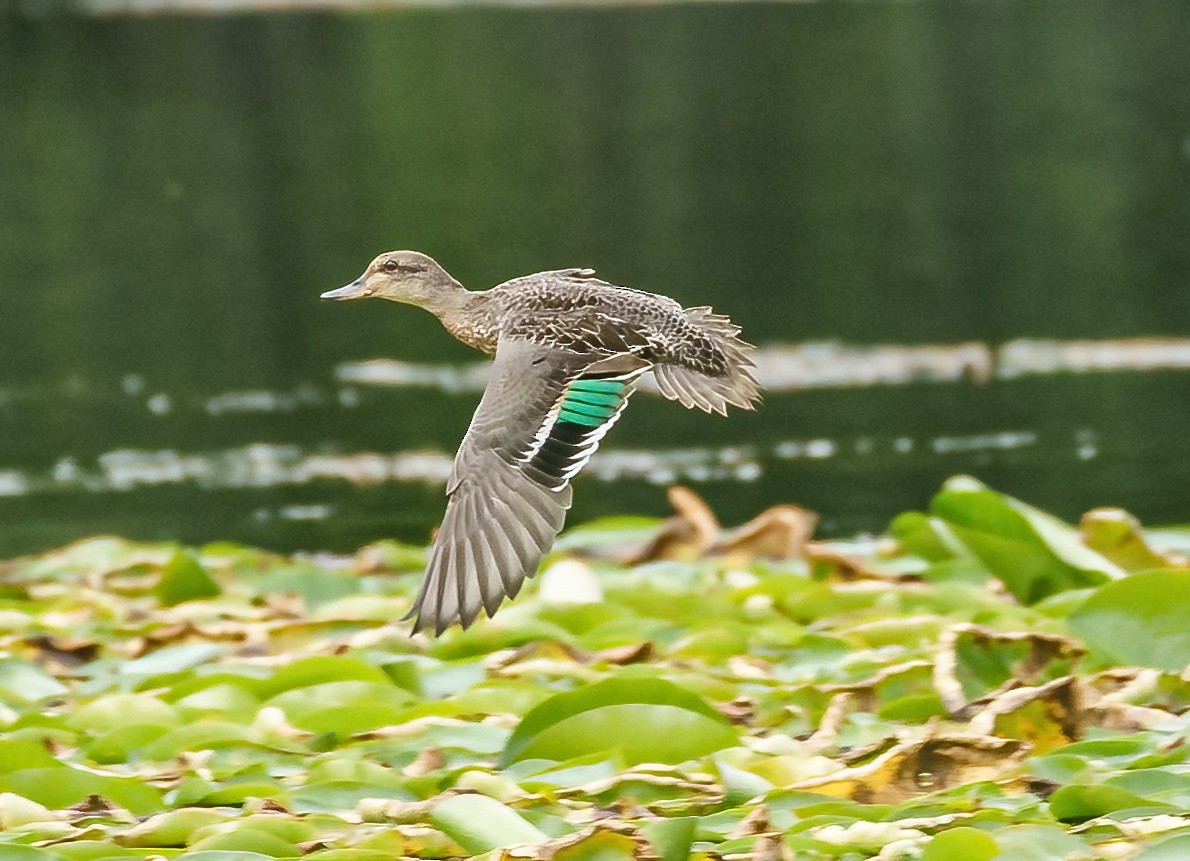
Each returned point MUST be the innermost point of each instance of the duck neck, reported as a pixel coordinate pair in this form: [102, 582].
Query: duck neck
[466, 315]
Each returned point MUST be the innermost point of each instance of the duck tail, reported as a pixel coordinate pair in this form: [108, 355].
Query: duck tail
[711, 369]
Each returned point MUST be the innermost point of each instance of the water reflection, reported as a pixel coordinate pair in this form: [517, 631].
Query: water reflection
[779, 369]
[1007, 181]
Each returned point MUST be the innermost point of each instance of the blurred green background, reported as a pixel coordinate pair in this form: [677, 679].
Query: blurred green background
[176, 190]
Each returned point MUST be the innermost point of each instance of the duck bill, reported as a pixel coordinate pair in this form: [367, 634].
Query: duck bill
[355, 290]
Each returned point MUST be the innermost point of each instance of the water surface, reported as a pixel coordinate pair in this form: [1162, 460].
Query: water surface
[997, 186]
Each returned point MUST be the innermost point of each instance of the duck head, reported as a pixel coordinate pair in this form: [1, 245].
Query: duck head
[401, 276]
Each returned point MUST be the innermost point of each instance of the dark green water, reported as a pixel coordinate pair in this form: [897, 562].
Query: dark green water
[176, 192]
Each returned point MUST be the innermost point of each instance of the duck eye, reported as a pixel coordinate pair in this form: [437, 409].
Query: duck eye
[390, 266]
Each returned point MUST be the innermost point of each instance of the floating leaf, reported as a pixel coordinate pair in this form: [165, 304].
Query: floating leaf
[22, 682]
[645, 720]
[600, 845]
[1117, 535]
[16, 811]
[319, 669]
[173, 828]
[967, 844]
[119, 710]
[185, 579]
[1143, 619]
[1171, 849]
[925, 536]
[671, 838]
[244, 732]
[246, 839]
[61, 787]
[1033, 553]
[16, 852]
[1077, 803]
[479, 823]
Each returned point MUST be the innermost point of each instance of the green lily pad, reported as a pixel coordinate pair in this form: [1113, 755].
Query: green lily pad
[671, 838]
[172, 828]
[22, 682]
[1076, 803]
[1033, 553]
[599, 846]
[319, 669]
[60, 787]
[185, 579]
[248, 840]
[114, 711]
[968, 844]
[481, 824]
[645, 720]
[1143, 619]
[1176, 848]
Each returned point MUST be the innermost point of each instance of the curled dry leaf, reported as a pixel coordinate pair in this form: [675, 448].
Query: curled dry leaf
[741, 710]
[65, 651]
[1042, 650]
[827, 733]
[756, 822]
[607, 839]
[633, 653]
[428, 760]
[780, 532]
[686, 536]
[843, 567]
[1046, 716]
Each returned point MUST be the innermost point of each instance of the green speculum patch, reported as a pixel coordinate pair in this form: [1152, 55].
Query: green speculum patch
[591, 402]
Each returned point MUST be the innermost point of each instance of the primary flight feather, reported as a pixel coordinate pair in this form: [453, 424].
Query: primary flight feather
[569, 349]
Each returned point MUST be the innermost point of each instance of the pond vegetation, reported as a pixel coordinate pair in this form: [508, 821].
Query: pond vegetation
[984, 681]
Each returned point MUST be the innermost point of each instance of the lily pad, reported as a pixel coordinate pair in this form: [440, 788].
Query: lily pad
[644, 720]
[1143, 619]
[185, 579]
[1033, 553]
[480, 824]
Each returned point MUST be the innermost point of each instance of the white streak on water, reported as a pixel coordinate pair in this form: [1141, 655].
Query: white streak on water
[983, 442]
[834, 365]
[265, 401]
[1027, 357]
[13, 483]
[392, 373]
[263, 465]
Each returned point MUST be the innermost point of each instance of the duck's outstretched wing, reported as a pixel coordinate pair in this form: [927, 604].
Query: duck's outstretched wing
[540, 419]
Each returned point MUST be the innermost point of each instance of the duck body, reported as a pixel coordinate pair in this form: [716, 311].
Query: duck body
[569, 349]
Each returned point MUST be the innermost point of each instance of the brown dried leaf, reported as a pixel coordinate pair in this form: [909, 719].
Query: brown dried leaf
[741, 710]
[1043, 650]
[687, 536]
[1046, 717]
[756, 822]
[65, 651]
[633, 653]
[841, 567]
[913, 768]
[429, 760]
[552, 651]
[780, 532]
[827, 733]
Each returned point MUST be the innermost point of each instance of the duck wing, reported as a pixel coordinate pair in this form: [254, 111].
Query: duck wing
[538, 423]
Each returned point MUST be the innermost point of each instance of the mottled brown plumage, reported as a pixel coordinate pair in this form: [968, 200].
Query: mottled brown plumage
[569, 349]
